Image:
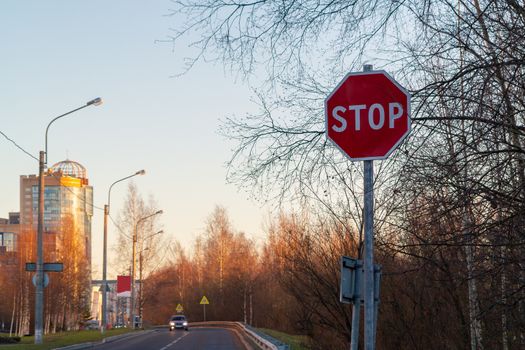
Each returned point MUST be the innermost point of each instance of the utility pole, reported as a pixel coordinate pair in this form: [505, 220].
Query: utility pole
[39, 295]
[105, 253]
[133, 249]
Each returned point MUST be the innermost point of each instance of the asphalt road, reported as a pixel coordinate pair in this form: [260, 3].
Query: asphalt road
[163, 339]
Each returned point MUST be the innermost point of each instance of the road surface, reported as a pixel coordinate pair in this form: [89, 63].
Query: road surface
[163, 339]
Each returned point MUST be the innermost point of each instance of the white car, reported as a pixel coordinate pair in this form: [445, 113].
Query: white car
[178, 321]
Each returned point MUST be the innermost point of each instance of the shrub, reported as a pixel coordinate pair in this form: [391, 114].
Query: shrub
[9, 340]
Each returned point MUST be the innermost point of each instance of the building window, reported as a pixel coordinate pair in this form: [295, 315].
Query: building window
[7, 242]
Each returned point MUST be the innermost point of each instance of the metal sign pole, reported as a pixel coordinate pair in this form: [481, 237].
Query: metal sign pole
[376, 140]
[377, 285]
[104, 271]
[369, 255]
[39, 295]
[354, 336]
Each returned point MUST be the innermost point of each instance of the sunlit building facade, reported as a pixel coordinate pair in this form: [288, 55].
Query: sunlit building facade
[68, 205]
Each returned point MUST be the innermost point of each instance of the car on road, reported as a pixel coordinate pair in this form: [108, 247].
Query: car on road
[91, 324]
[178, 321]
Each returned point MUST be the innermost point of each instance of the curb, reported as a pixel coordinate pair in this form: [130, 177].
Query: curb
[122, 336]
[90, 345]
[77, 346]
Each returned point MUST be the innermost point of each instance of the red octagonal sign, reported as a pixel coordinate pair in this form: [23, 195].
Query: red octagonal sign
[367, 115]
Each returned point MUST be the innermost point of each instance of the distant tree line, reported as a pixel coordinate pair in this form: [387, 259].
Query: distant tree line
[224, 267]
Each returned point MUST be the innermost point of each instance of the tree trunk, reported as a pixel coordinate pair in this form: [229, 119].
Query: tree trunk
[251, 306]
[504, 321]
[244, 305]
[473, 301]
[12, 315]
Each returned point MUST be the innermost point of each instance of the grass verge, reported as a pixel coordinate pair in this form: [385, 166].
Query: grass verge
[57, 340]
[296, 342]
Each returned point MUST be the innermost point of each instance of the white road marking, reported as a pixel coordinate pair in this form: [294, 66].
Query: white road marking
[173, 342]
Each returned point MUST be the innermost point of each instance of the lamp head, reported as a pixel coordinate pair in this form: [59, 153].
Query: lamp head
[141, 172]
[159, 212]
[97, 102]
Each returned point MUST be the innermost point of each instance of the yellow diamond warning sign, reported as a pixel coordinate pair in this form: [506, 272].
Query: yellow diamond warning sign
[204, 300]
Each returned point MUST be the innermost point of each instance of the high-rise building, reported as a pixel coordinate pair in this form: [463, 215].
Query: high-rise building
[68, 205]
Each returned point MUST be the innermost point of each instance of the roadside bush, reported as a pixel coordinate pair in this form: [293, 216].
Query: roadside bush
[9, 340]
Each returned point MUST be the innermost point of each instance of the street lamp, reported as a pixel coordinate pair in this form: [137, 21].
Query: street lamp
[105, 252]
[140, 270]
[132, 301]
[39, 294]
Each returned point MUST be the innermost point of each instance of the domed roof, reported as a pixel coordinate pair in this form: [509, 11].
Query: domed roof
[70, 168]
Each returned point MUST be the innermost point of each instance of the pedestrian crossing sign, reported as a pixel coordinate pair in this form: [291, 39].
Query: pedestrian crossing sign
[204, 300]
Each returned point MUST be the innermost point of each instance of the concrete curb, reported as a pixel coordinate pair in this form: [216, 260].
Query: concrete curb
[126, 335]
[90, 345]
[77, 346]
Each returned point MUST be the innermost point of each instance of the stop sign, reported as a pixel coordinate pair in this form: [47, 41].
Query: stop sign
[367, 115]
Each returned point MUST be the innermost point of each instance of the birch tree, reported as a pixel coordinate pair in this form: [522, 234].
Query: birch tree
[148, 242]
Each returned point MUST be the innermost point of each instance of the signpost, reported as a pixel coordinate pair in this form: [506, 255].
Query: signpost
[46, 280]
[179, 308]
[351, 292]
[204, 302]
[367, 116]
[48, 267]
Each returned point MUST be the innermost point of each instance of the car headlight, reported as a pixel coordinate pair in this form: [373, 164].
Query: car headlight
[184, 323]
[172, 323]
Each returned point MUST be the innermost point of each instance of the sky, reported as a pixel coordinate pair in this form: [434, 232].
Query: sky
[57, 55]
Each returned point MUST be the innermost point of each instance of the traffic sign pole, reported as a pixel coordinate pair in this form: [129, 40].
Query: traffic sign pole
[354, 336]
[369, 254]
[203, 302]
[39, 294]
[104, 271]
[367, 117]
[368, 178]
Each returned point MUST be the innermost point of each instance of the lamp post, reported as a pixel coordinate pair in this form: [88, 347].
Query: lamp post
[142, 250]
[132, 301]
[39, 294]
[105, 252]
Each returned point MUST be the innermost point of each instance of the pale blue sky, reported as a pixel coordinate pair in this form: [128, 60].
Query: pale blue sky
[57, 55]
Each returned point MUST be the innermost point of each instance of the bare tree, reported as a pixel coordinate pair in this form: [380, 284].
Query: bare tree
[148, 241]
